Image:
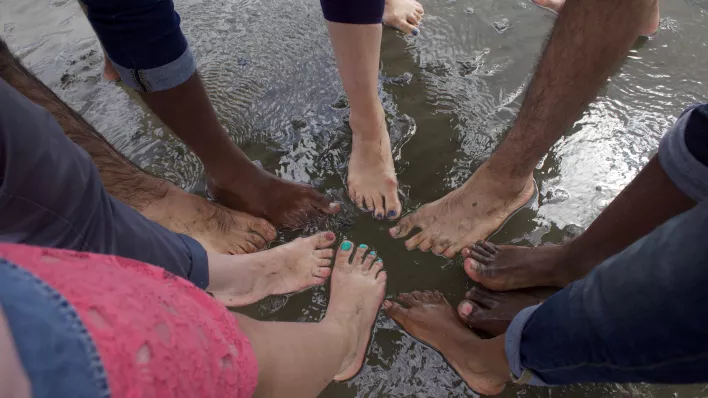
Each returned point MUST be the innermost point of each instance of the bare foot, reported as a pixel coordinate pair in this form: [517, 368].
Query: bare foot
[109, 72]
[244, 279]
[372, 178]
[648, 29]
[358, 287]
[217, 228]
[284, 203]
[404, 15]
[512, 267]
[492, 312]
[427, 316]
[465, 215]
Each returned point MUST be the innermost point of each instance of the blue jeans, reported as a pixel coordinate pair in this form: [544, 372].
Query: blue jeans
[641, 315]
[51, 195]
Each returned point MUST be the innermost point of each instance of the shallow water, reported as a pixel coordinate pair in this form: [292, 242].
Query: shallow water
[450, 95]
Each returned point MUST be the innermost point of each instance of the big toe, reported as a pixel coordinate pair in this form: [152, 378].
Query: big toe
[263, 228]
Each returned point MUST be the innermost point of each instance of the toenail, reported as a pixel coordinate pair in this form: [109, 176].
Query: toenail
[415, 32]
[379, 260]
[392, 213]
[362, 246]
[387, 304]
[379, 216]
[333, 205]
[372, 254]
[346, 246]
[329, 235]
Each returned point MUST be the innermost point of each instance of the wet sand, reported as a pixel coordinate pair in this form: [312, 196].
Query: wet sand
[450, 95]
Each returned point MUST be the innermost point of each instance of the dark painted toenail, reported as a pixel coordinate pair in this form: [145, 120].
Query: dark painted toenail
[415, 32]
[392, 213]
[379, 216]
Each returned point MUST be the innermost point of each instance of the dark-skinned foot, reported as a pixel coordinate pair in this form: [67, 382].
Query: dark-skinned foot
[503, 268]
[492, 312]
[285, 204]
[428, 317]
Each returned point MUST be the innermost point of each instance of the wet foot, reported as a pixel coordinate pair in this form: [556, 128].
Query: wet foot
[217, 228]
[358, 287]
[512, 267]
[404, 15]
[427, 316]
[371, 176]
[285, 204]
[492, 312]
[109, 72]
[648, 29]
[466, 215]
[245, 279]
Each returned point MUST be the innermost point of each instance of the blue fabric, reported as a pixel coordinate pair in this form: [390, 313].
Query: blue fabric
[51, 195]
[683, 150]
[640, 316]
[56, 351]
[144, 40]
[362, 12]
[697, 133]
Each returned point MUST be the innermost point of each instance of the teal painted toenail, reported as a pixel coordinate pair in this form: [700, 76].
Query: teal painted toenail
[378, 260]
[362, 246]
[372, 254]
[346, 245]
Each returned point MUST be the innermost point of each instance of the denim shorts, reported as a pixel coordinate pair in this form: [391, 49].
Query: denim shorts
[144, 41]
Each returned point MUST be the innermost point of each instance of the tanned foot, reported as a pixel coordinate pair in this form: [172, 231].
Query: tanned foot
[372, 178]
[404, 15]
[648, 29]
[284, 203]
[245, 279]
[109, 72]
[466, 215]
[512, 267]
[358, 287]
[428, 317]
[492, 312]
[217, 228]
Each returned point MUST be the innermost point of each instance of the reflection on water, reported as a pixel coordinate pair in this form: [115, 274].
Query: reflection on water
[450, 95]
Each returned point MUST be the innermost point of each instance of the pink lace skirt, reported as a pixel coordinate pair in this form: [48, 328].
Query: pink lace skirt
[157, 335]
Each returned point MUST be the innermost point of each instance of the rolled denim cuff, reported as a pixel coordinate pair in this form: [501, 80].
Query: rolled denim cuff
[161, 78]
[512, 347]
[199, 272]
[685, 171]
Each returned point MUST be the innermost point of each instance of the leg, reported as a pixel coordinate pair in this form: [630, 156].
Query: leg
[215, 227]
[300, 359]
[355, 32]
[619, 324]
[650, 26]
[564, 82]
[667, 186]
[51, 195]
[146, 46]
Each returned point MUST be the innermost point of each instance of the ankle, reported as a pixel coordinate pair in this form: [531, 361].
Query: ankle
[368, 124]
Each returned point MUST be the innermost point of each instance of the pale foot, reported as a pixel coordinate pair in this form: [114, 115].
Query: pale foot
[372, 178]
[109, 71]
[493, 312]
[284, 203]
[466, 215]
[428, 317]
[649, 28]
[245, 279]
[217, 228]
[404, 15]
[358, 287]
